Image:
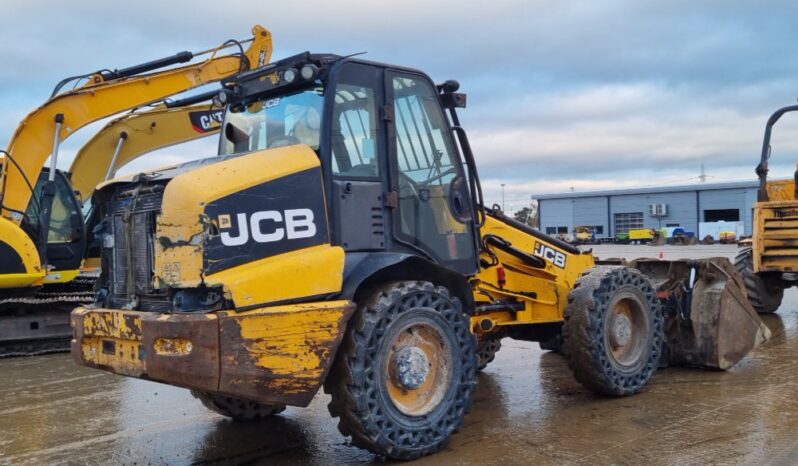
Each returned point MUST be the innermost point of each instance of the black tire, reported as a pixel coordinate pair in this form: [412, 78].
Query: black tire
[236, 408]
[763, 295]
[613, 331]
[366, 390]
[486, 351]
[553, 344]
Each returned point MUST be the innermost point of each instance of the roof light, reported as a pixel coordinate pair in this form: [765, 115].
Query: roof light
[289, 75]
[309, 72]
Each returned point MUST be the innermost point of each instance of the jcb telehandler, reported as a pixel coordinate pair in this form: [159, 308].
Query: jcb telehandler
[42, 234]
[340, 241]
[771, 264]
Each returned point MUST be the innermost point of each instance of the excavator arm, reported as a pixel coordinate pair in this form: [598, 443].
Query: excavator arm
[131, 136]
[39, 134]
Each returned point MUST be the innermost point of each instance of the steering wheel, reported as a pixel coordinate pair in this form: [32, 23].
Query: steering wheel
[283, 141]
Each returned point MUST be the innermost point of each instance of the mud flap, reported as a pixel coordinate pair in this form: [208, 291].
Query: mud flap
[709, 321]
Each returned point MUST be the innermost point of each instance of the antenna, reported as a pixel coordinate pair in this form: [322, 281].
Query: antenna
[703, 175]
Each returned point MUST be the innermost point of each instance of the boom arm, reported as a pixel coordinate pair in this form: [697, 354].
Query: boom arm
[129, 137]
[38, 133]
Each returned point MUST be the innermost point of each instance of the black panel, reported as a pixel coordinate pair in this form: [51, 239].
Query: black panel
[359, 221]
[276, 218]
[10, 260]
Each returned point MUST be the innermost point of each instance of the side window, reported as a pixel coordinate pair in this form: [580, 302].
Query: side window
[434, 210]
[354, 132]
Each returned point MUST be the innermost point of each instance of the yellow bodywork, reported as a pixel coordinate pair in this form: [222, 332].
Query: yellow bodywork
[183, 226]
[146, 132]
[775, 238]
[17, 240]
[544, 292]
[278, 354]
[641, 234]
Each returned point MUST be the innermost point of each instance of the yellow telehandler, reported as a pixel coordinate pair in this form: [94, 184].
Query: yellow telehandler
[340, 240]
[42, 233]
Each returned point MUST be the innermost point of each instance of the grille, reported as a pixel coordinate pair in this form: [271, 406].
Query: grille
[780, 237]
[133, 216]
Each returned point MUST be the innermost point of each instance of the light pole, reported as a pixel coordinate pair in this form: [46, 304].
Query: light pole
[502, 197]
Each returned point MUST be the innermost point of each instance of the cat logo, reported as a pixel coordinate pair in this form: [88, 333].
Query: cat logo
[268, 226]
[552, 255]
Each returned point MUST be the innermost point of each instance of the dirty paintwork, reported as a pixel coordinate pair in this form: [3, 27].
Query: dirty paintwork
[279, 354]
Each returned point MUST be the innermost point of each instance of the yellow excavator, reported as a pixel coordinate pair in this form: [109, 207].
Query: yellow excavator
[340, 240]
[42, 233]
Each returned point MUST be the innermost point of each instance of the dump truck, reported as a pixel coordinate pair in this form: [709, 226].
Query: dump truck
[770, 264]
[42, 234]
[340, 241]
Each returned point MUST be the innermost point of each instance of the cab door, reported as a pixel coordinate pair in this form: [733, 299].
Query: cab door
[433, 211]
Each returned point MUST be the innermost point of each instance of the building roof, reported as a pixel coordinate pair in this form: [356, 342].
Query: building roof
[651, 190]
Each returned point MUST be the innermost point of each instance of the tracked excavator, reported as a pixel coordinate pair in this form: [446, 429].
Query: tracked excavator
[340, 240]
[42, 233]
[770, 265]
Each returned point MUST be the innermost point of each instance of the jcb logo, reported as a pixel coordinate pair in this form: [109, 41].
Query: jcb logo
[555, 257]
[268, 226]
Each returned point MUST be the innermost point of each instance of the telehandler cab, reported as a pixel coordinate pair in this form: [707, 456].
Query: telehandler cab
[340, 240]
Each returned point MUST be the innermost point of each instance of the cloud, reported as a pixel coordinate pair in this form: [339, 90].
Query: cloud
[579, 93]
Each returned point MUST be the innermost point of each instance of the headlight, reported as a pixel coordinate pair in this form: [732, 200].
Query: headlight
[289, 75]
[309, 72]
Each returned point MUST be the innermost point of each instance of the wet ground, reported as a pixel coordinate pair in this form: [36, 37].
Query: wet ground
[528, 409]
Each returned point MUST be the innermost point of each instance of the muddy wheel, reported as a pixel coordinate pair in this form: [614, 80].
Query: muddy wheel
[405, 373]
[486, 352]
[763, 295]
[236, 408]
[613, 331]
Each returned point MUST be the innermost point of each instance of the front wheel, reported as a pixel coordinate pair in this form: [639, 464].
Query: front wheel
[404, 375]
[613, 330]
[764, 295]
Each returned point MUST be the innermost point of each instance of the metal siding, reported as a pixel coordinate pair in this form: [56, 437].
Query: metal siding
[681, 208]
[590, 211]
[556, 213]
[576, 209]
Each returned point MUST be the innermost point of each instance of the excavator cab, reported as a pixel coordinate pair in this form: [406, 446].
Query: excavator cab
[66, 240]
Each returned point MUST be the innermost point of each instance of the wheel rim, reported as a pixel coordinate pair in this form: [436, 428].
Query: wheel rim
[626, 331]
[419, 369]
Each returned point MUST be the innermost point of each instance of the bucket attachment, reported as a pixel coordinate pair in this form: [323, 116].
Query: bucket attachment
[708, 319]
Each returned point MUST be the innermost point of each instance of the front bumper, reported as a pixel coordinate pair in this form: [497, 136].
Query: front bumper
[275, 355]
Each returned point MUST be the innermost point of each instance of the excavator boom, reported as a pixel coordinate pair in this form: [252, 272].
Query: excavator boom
[35, 138]
[133, 135]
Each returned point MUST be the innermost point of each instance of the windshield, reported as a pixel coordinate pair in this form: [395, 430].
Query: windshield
[275, 122]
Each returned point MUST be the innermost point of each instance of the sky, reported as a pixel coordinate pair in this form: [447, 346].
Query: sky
[562, 95]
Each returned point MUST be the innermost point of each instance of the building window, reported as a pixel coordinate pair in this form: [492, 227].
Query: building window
[724, 215]
[598, 229]
[628, 221]
[669, 225]
[556, 230]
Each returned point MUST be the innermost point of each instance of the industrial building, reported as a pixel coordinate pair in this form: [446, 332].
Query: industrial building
[692, 207]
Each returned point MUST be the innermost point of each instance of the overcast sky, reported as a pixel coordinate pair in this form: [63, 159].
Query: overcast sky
[562, 94]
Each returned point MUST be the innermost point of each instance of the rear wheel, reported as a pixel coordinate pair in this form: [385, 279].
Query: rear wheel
[404, 375]
[613, 330]
[764, 295]
[236, 408]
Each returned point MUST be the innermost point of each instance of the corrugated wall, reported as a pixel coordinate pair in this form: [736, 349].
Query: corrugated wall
[684, 208]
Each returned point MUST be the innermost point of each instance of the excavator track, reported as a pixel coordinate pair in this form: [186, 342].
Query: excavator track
[37, 324]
